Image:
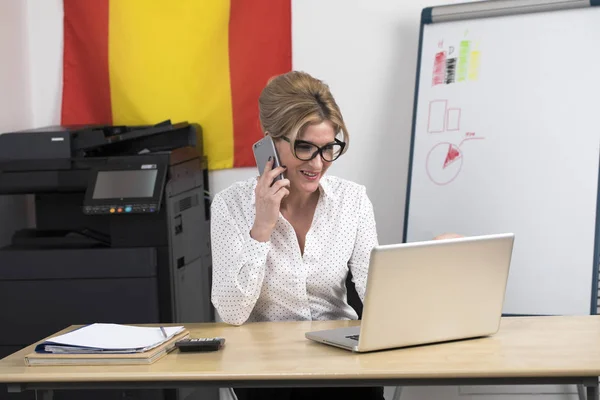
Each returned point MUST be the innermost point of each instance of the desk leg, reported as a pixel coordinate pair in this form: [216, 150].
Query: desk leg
[581, 392]
[44, 394]
[592, 391]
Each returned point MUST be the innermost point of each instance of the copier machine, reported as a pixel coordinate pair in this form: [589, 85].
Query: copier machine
[121, 235]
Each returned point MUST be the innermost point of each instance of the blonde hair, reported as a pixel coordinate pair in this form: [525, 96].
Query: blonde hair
[291, 102]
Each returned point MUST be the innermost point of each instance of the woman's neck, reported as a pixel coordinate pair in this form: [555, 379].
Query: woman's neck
[299, 201]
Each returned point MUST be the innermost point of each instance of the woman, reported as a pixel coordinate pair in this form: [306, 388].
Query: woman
[283, 251]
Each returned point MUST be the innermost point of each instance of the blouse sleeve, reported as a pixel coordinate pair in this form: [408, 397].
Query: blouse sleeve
[239, 264]
[366, 239]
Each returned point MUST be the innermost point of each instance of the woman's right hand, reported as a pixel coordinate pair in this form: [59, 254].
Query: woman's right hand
[268, 201]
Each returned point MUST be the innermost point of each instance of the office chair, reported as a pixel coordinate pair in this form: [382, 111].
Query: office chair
[355, 302]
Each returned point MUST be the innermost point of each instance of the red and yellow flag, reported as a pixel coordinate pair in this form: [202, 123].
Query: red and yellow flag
[137, 62]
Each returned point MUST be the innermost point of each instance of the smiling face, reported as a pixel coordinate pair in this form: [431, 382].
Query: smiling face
[304, 176]
[296, 109]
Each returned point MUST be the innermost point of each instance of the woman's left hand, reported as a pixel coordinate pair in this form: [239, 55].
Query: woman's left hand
[448, 236]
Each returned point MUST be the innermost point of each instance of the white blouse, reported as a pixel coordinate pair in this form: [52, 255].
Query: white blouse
[273, 281]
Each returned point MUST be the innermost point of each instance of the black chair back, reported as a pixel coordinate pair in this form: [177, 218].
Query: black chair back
[353, 298]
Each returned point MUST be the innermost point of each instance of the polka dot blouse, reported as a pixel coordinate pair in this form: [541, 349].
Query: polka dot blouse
[273, 281]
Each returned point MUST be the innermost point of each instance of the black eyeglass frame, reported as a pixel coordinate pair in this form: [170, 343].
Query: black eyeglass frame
[319, 149]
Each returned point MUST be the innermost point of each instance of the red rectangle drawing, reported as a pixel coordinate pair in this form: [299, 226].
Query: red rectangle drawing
[439, 68]
[453, 119]
[437, 116]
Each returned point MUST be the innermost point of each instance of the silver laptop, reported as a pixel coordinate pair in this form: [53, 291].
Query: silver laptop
[429, 292]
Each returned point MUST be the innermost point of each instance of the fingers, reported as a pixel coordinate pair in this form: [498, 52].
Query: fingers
[450, 235]
[268, 165]
[278, 185]
[272, 174]
[282, 193]
[269, 173]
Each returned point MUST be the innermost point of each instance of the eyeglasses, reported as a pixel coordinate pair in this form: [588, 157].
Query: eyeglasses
[306, 151]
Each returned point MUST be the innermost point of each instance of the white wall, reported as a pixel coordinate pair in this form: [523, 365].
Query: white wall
[15, 107]
[44, 31]
[367, 52]
[15, 104]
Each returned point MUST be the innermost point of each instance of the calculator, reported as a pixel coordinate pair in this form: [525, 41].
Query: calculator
[200, 344]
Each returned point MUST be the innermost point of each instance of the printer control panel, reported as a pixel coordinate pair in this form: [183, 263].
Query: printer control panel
[120, 209]
[125, 187]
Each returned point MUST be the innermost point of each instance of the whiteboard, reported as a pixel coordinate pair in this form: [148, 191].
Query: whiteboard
[506, 138]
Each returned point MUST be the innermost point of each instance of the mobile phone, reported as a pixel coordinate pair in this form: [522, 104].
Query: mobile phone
[263, 149]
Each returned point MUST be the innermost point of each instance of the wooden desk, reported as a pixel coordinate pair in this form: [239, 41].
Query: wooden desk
[538, 350]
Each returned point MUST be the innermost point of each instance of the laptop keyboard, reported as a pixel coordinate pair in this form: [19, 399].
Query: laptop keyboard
[355, 337]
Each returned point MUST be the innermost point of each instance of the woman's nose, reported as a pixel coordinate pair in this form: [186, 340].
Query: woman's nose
[316, 163]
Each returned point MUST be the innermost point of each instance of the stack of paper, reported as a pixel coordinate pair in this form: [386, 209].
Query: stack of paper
[108, 339]
[98, 344]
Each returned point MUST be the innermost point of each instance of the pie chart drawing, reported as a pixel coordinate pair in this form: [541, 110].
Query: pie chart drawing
[444, 162]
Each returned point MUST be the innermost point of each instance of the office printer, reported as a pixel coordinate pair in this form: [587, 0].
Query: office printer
[121, 233]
